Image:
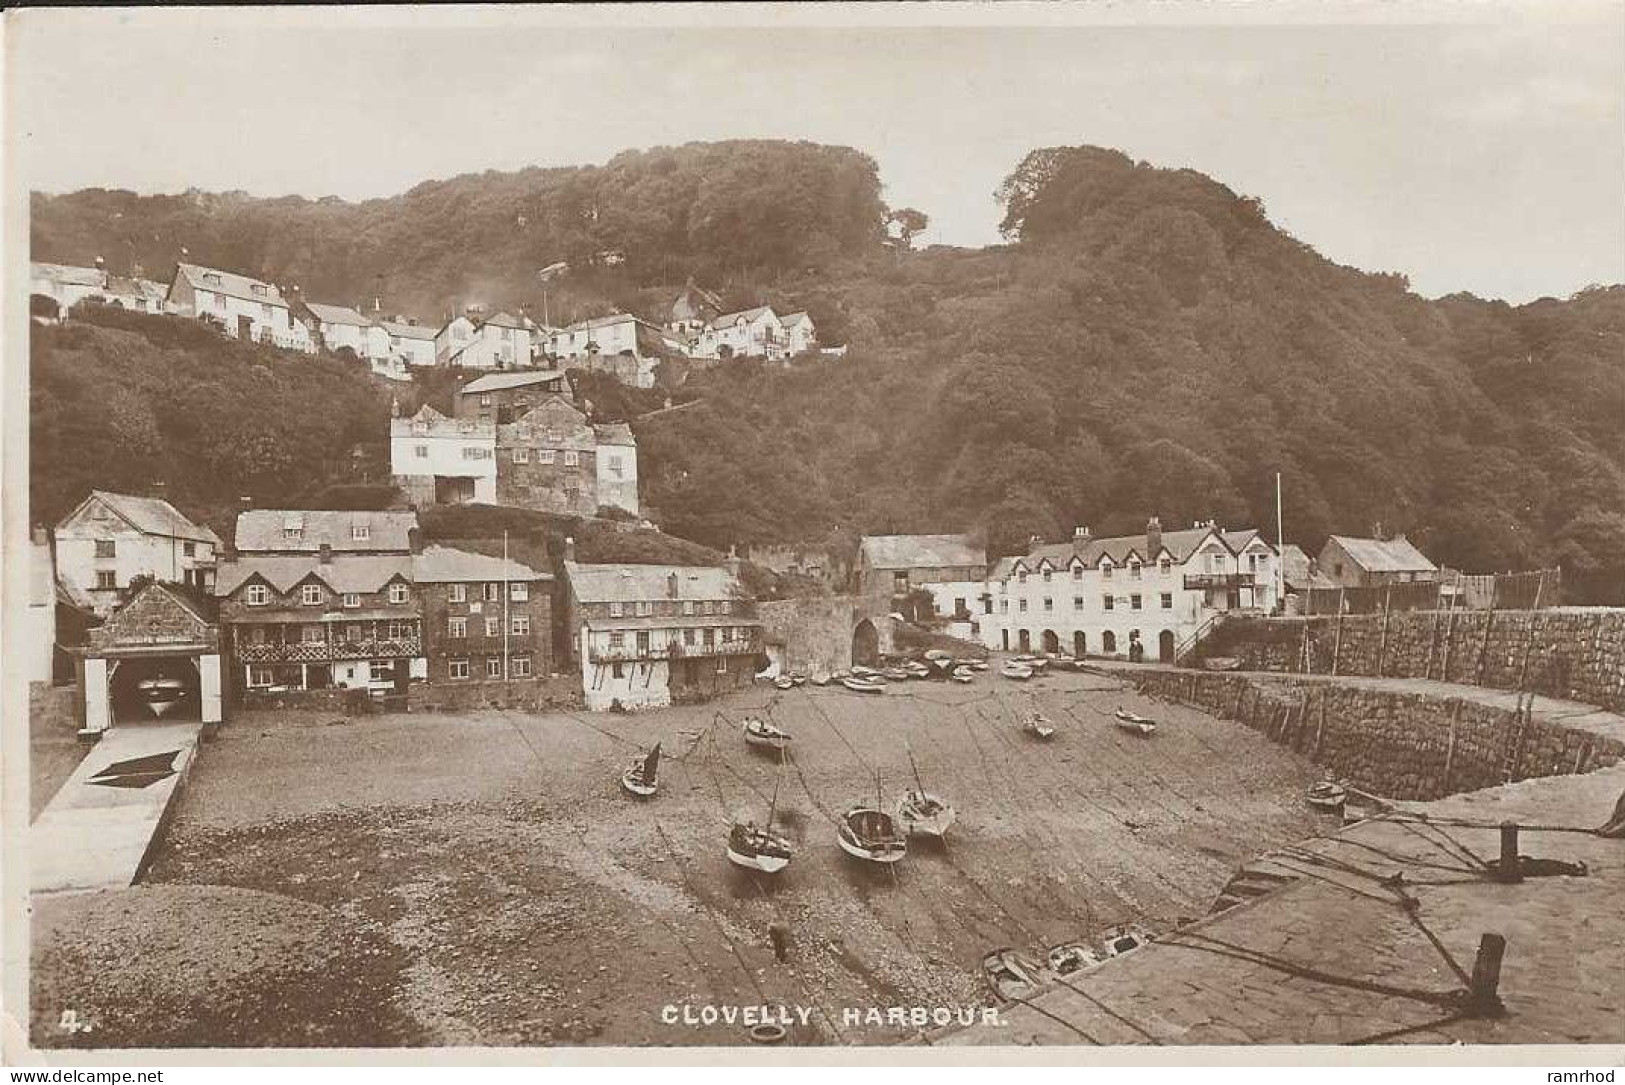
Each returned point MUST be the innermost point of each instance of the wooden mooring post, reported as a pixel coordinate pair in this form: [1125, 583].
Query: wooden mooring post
[1483, 997]
[1509, 870]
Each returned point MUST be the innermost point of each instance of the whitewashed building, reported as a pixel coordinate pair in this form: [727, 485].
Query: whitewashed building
[240, 306]
[412, 344]
[500, 342]
[66, 284]
[111, 539]
[752, 333]
[799, 335]
[444, 461]
[1097, 596]
[339, 327]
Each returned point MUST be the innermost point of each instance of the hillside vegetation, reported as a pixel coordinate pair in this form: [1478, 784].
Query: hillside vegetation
[1146, 343]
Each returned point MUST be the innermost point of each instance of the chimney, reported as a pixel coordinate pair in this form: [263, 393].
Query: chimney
[101, 265]
[245, 503]
[1080, 539]
[569, 548]
[325, 553]
[1376, 531]
[158, 490]
[414, 539]
[732, 562]
[1153, 538]
[671, 585]
[40, 534]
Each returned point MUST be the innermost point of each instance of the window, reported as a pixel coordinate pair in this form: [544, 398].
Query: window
[1134, 602]
[725, 607]
[619, 670]
[1077, 572]
[1134, 570]
[360, 532]
[1105, 571]
[189, 549]
[572, 493]
[312, 634]
[544, 455]
[521, 625]
[398, 592]
[493, 667]
[641, 608]
[1164, 565]
[106, 548]
[474, 452]
[485, 400]
[688, 637]
[615, 466]
[1077, 602]
[1046, 576]
[1004, 606]
[572, 458]
[1167, 600]
[493, 592]
[106, 579]
[617, 640]
[643, 642]
[1021, 576]
[521, 455]
[352, 599]
[1105, 602]
[457, 668]
[705, 606]
[401, 630]
[520, 666]
[265, 309]
[292, 532]
[421, 451]
[257, 289]
[311, 595]
[688, 606]
[260, 676]
[1049, 604]
[457, 593]
[1022, 606]
[457, 628]
[1215, 562]
[493, 626]
[519, 591]
[258, 595]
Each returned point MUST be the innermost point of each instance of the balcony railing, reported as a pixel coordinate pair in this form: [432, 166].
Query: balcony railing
[1205, 581]
[323, 652]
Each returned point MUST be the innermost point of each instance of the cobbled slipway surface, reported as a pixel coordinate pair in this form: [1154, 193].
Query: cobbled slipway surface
[484, 880]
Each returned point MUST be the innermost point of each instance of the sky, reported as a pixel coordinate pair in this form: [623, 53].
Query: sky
[1471, 146]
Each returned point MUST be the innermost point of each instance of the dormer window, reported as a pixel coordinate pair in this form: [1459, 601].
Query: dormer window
[1105, 570]
[212, 279]
[292, 533]
[1046, 576]
[1134, 570]
[1164, 565]
[258, 290]
[257, 595]
[360, 532]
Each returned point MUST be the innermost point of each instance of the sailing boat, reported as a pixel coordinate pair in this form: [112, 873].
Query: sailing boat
[868, 832]
[642, 777]
[921, 813]
[765, 735]
[757, 847]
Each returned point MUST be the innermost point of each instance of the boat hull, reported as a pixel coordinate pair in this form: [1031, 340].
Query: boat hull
[858, 851]
[641, 790]
[765, 864]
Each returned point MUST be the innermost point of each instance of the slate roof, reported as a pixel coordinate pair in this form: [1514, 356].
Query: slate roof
[1395, 555]
[496, 382]
[231, 284]
[796, 318]
[1295, 570]
[1181, 544]
[748, 315]
[151, 515]
[336, 314]
[445, 564]
[614, 433]
[505, 320]
[407, 331]
[358, 573]
[598, 322]
[922, 551]
[262, 530]
[631, 583]
[68, 274]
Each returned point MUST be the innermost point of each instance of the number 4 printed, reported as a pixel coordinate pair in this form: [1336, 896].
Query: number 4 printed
[70, 1022]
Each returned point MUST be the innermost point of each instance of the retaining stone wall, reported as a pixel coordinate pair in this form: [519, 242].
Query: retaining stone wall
[816, 631]
[1574, 655]
[1403, 746]
[532, 694]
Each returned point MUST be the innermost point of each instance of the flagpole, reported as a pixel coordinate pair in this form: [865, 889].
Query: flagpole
[1280, 547]
[506, 592]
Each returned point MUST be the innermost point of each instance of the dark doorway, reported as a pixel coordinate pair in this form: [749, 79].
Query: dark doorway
[866, 644]
[148, 690]
[1108, 642]
[245, 329]
[1052, 643]
[1024, 641]
[1080, 644]
[1004, 640]
[1165, 646]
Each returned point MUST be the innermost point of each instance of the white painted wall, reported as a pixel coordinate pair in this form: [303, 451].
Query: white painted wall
[618, 490]
[134, 554]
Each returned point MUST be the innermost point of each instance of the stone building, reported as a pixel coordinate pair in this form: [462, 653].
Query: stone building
[651, 635]
[1365, 563]
[502, 397]
[156, 656]
[485, 619]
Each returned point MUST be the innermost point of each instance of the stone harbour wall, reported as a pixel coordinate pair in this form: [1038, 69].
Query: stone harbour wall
[1401, 746]
[532, 694]
[814, 633]
[1576, 655]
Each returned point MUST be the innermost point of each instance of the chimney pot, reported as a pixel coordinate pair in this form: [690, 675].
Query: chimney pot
[245, 501]
[325, 553]
[414, 539]
[671, 585]
[569, 548]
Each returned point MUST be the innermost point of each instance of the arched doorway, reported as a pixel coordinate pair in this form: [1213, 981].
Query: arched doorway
[866, 644]
[1080, 644]
[1024, 641]
[1052, 643]
[1108, 642]
[142, 690]
[1165, 646]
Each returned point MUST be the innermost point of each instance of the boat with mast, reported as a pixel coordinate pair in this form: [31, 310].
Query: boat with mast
[643, 777]
[758, 847]
[919, 812]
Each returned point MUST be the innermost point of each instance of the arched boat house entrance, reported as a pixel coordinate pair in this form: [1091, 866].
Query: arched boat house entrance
[155, 658]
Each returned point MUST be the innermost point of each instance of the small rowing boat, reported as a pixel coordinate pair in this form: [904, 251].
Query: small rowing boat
[642, 778]
[1039, 727]
[1069, 958]
[764, 735]
[1010, 975]
[1133, 722]
[1018, 672]
[1328, 795]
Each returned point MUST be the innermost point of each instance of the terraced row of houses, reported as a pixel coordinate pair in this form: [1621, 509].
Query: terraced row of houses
[623, 345]
[307, 604]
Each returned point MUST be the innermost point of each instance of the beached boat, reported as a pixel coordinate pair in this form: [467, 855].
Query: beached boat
[1019, 672]
[895, 674]
[1039, 726]
[870, 833]
[1133, 722]
[859, 671]
[755, 848]
[1069, 958]
[1124, 939]
[1010, 975]
[798, 679]
[642, 778]
[819, 679]
[161, 695]
[1328, 795]
[963, 674]
[919, 812]
[764, 735]
[935, 653]
[863, 685]
[784, 681]
[1036, 663]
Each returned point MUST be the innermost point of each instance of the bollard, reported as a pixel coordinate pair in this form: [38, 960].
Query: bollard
[1509, 869]
[1482, 999]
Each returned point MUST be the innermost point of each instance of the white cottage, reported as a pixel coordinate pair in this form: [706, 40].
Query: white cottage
[111, 539]
[240, 306]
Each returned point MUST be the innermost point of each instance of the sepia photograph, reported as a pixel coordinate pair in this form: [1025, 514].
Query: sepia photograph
[744, 533]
